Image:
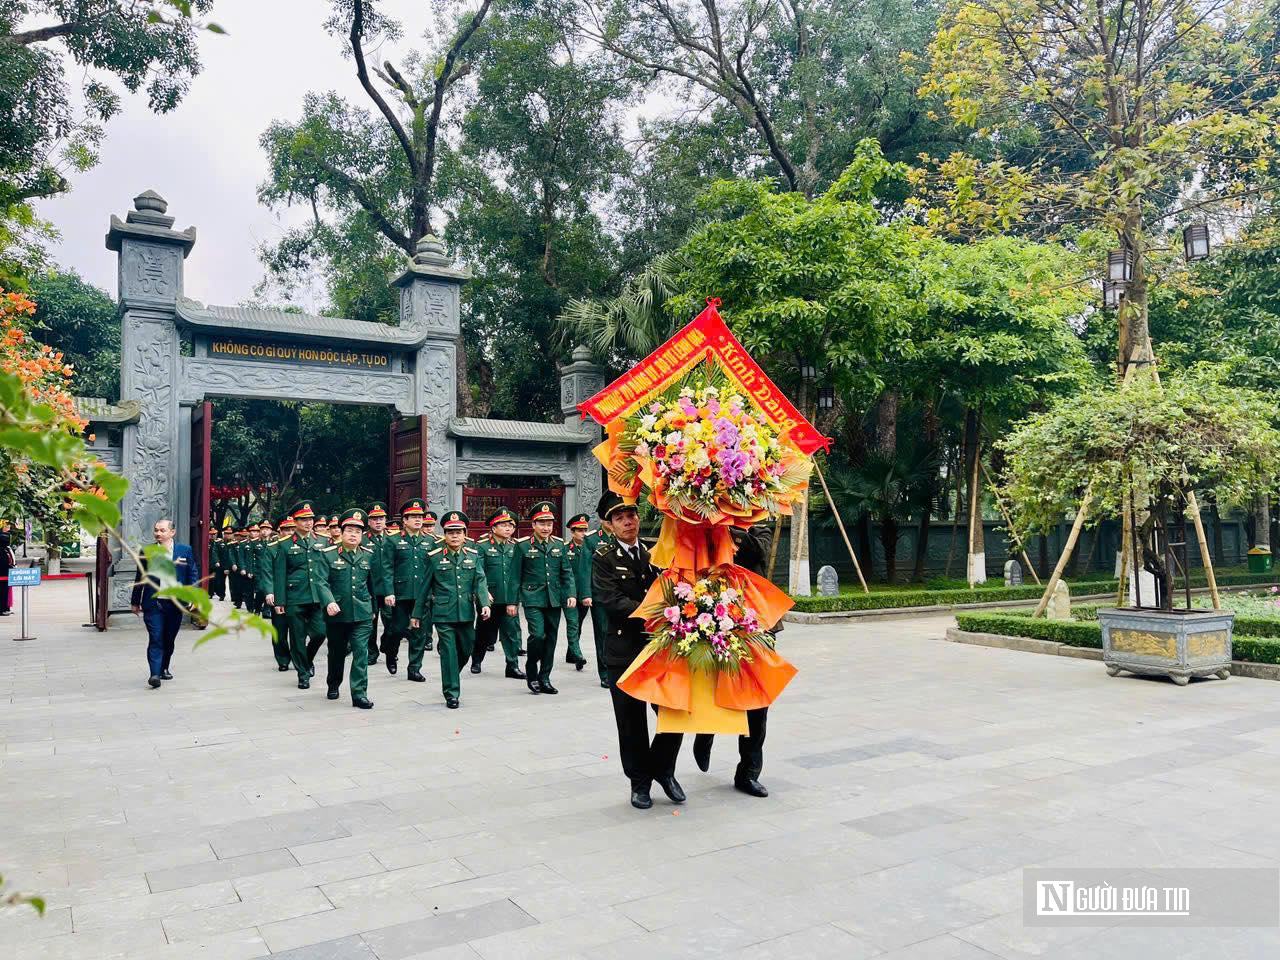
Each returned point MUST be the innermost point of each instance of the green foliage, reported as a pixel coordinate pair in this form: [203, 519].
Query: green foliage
[893, 599]
[1192, 433]
[12, 898]
[1058, 631]
[79, 319]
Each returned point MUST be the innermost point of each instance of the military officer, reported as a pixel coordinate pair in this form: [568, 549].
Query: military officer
[622, 574]
[248, 561]
[299, 567]
[266, 576]
[217, 575]
[453, 592]
[497, 551]
[266, 533]
[393, 528]
[580, 559]
[429, 521]
[347, 594]
[376, 539]
[543, 580]
[599, 619]
[233, 568]
[401, 574]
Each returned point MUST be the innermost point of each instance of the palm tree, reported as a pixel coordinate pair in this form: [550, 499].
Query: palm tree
[630, 325]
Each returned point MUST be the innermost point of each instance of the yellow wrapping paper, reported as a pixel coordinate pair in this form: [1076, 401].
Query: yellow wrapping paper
[704, 714]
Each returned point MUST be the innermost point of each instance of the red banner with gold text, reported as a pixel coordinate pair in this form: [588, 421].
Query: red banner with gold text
[705, 337]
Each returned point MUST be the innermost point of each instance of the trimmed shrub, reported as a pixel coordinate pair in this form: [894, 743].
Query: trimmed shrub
[1059, 631]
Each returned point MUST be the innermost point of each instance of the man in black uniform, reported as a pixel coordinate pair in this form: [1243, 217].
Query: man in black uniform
[753, 548]
[621, 574]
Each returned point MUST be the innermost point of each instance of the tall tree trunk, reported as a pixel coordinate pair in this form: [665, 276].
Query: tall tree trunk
[1215, 517]
[867, 555]
[887, 424]
[889, 543]
[922, 545]
[1262, 521]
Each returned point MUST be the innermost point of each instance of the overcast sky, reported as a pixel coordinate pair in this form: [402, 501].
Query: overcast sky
[204, 157]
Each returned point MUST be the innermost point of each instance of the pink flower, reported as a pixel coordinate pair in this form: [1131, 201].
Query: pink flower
[672, 614]
[721, 610]
[684, 591]
[704, 620]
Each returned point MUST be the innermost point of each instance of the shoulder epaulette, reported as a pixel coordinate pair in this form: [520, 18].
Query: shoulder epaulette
[328, 549]
[522, 539]
[432, 553]
[282, 539]
[604, 548]
[471, 550]
[556, 539]
[366, 549]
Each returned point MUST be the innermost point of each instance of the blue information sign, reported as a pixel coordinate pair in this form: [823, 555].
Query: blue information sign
[24, 576]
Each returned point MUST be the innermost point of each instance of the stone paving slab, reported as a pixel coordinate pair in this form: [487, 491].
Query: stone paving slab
[230, 816]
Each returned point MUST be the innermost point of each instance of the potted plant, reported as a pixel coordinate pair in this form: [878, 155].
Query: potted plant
[1140, 451]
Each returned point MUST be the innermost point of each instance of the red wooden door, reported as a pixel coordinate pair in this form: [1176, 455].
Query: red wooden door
[408, 451]
[201, 435]
[479, 502]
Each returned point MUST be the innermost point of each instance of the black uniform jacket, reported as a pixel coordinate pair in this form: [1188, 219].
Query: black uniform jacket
[619, 583]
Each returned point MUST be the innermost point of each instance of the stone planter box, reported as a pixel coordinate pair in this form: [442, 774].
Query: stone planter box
[1179, 644]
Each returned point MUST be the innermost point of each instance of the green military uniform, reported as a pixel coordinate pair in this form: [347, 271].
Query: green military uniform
[266, 583]
[253, 573]
[300, 565]
[349, 584]
[454, 589]
[402, 571]
[580, 560]
[376, 542]
[498, 559]
[543, 580]
[234, 583]
[217, 575]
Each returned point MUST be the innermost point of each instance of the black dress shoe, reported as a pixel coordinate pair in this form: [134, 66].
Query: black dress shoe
[640, 798]
[514, 673]
[533, 685]
[154, 682]
[430, 645]
[521, 652]
[391, 666]
[548, 688]
[373, 659]
[490, 647]
[282, 667]
[416, 676]
[580, 664]
[752, 788]
[362, 703]
[671, 787]
[702, 753]
[166, 675]
[332, 694]
[304, 683]
[475, 668]
[451, 703]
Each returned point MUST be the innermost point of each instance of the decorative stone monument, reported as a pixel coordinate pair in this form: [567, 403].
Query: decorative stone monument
[828, 582]
[1059, 602]
[1012, 573]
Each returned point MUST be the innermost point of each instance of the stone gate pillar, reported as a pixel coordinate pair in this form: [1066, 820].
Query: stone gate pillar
[429, 291]
[151, 255]
[579, 381]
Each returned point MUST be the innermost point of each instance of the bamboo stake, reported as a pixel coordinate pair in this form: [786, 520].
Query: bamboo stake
[1022, 550]
[773, 547]
[1066, 554]
[1194, 506]
[1126, 533]
[973, 514]
[835, 512]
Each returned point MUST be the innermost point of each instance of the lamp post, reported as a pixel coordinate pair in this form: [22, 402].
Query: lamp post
[799, 581]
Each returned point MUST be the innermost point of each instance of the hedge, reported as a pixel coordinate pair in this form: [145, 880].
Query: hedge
[889, 599]
[1249, 641]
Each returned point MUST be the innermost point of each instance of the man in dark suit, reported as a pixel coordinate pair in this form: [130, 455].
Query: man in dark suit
[6, 564]
[621, 574]
[753, 549]
[163, 617]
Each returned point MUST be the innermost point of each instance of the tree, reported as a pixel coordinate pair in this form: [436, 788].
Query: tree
[808, 78]
[1142, 114]
[79, 319]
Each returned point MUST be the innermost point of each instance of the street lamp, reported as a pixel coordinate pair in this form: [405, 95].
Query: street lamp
[1120, 265]
[1195, 241]
[1112, 294]
[826, 398]
[808, 372]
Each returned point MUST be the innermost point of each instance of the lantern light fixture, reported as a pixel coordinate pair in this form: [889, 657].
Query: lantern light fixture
[808, 372]
[1195, 241]
[1112, 294]
[1120, 265]
[826, 398]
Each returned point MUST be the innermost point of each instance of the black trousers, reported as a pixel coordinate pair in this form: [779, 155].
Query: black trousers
[642, 761]
[750, 747]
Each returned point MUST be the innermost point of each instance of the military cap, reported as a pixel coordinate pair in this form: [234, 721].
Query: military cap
[430, 517]
[455, 520]
[542, 510]
[610, 502]
[414, 508]
[376, 509]
[264, 524]
[302, 511]
[579, 521]
[287, 523]
[353, 518]
[393, 527]
[502, 515]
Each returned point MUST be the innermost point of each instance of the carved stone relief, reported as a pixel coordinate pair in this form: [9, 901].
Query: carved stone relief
[235, 378]
[149, 357]
[150, 272]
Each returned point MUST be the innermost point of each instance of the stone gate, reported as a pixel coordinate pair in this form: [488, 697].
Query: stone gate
[177, 352]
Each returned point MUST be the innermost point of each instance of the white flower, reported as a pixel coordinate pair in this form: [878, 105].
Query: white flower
[648, 421]
[674, 437]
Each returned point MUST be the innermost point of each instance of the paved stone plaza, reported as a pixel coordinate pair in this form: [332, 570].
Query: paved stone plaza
[230, 815]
